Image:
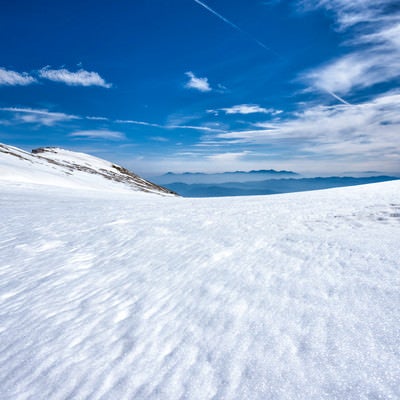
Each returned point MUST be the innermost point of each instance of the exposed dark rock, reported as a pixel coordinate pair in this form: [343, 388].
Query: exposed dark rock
[120, 174]
[44, 150]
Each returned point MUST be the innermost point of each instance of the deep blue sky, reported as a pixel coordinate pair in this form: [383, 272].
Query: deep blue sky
[213, 85]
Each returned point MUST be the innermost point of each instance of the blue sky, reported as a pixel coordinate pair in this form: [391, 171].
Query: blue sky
[211, 86]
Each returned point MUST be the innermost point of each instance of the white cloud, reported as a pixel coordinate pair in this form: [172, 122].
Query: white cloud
[159, 139]
[99, 134]
[354, 135]
[169, 126]
[195, 127]
[192, 161]
[79, 78]
[12, 78]
[200, 84]
[354, 71]
[134, 122]
[221, 88]
[370, 24]
[91, 118]
[247, 109]
[41, 117]
[227, 157]
[351, 13]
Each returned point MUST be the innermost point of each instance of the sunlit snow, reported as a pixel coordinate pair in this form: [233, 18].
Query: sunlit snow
[62, 168]
[135, 296]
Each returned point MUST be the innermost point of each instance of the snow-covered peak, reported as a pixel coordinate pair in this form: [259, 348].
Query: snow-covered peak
[71, 157]
[54, 166]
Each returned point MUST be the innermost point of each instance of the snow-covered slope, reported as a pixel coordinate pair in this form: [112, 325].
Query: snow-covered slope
[62, 168]
[290, 296]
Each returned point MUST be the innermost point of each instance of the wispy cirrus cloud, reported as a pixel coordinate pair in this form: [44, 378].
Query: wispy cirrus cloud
[170, 126]
[98, 134]
[362, 134]
[351, 13]
[354, 71]
[196, 127]
[13, 78]
[159, 139]
[246, 109]
[228, 156]
[94, 118]
[134, 122]
[38, 116]
[200, 84]
[373, 38]
[78, 78]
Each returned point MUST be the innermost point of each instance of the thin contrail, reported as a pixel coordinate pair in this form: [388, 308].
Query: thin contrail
[261, 44]
[338, 98]
[234, 26]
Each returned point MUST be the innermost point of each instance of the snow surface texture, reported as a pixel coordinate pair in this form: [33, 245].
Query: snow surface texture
[137, 296]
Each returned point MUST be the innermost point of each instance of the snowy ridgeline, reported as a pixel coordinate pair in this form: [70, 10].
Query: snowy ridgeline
[137, 296]
[52, 166]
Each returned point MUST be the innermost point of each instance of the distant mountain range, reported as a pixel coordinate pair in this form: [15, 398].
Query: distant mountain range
[235, 176]
[63, 168]
[270, 186]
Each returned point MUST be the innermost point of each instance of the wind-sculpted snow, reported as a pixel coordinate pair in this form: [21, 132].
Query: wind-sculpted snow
[142, 297]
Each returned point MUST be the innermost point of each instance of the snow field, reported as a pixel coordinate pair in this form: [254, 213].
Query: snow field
[136, 296]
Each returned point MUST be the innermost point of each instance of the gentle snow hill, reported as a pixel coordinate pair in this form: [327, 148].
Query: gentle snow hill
[108, 295]
[62, 168]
